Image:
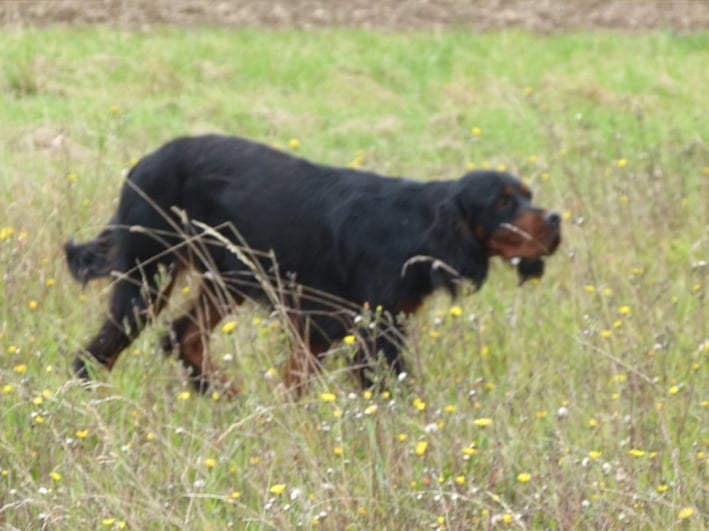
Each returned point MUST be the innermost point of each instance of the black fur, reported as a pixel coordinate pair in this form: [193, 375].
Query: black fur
[93, 259]
[340, 238]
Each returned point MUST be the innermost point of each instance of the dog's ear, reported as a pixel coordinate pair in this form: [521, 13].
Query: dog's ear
[475, 193]
[458, 251]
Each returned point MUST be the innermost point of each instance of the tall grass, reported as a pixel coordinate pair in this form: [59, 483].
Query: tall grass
[578, 402]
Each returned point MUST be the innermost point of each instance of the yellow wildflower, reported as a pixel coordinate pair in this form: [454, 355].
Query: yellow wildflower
[328, 397]
[228, 327]
[421, 447]
[419, 404]
[278, 489]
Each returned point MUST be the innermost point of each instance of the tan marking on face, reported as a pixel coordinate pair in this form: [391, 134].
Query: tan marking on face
[528, 236]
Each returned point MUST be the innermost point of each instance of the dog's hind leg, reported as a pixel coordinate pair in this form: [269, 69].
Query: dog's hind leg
[134, 298]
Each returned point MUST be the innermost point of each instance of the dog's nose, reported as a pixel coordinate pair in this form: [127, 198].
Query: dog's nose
[553, 219]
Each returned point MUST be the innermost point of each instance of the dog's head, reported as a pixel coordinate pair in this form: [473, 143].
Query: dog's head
[496, 208]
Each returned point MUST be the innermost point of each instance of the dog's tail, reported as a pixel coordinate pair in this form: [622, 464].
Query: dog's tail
[95, 258]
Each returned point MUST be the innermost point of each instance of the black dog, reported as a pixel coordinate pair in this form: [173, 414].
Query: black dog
[318, 241]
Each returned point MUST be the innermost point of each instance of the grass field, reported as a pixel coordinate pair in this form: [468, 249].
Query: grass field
[580, 402]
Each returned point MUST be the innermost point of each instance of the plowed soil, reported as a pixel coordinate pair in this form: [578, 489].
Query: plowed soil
[536, 15]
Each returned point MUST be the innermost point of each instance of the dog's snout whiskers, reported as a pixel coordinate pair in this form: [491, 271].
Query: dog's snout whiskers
[525, 235]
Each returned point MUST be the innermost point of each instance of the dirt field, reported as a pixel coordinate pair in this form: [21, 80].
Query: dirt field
[536, 15]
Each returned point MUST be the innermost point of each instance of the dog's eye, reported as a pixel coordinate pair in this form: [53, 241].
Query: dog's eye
[504, 201]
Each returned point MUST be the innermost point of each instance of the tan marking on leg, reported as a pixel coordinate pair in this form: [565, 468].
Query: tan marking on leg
[194, 346]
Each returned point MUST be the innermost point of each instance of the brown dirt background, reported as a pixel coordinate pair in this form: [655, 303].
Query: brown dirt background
[536, 15]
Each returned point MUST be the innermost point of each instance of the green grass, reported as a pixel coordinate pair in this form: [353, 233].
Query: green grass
[595, 379]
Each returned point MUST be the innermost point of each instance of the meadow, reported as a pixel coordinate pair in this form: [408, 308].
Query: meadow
[577, 402]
